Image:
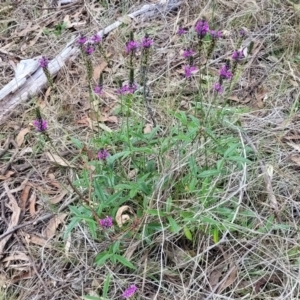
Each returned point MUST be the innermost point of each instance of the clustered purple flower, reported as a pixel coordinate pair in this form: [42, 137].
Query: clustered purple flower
[215, 34]
[238, 55]
[43, 62]
[127, 89]
[132, 46]
[218, 88]
[82, 40]
[188, 53]
[202, 28]
[146, 42]
[40, 125]
[106, 222]
[181, 31]
[189, 70]
[129, 291]
[89, 50]
[98, 89]
[96, 38]
[243, 33]
[225, 73]
[103, 154]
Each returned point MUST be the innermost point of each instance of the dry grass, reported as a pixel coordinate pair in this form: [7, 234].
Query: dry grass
[257, 253]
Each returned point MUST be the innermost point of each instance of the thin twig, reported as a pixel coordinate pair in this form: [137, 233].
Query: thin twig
[145, 95]
[34, 222]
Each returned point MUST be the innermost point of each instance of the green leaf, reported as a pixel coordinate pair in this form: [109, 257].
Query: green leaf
[122, 154]
[220, 164]
[150, 166]
[143, 150]
[210, 221]
[155, 212]
[71, 226]
[113, 258]
[74, 210]
[168, 205]
[133, 193]
[192, 184]
[98, 191]
[113, 198]
[77, 143]
[102, 257]
[125, 186]
[106, 286]
[187, 215]
[174, 226]
[93, 227]
[209, 173]
[124, 261]
[88, 297]
[116, 247]
[230, 150]
[187, 233]
[216, 235]
[92, 298]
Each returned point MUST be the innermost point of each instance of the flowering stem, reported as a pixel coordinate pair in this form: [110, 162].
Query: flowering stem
[102, 52]
[48, 76]
[87, 202]
[144, 69]
[200, 94]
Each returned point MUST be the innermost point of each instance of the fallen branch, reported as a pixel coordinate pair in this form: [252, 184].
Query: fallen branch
[32, 79]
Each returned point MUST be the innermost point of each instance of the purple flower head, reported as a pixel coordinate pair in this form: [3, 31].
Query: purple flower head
[98, 89]
[132, 88]
[103, 154]
[106, 222]
[202, 28]
[81, 40]
[238, 55]
[129, 291]
[89, 50]
[96, 38]
[215, 34]
[127, 89]
[181, 31]
[189, 71]
[40, 125]
[132, 46]
[43, 62]
[243, 33]
[225, 72]
[218, 88]
[188, 53]
[146, 42]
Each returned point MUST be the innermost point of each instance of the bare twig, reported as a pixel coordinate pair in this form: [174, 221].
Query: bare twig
[34, 222]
